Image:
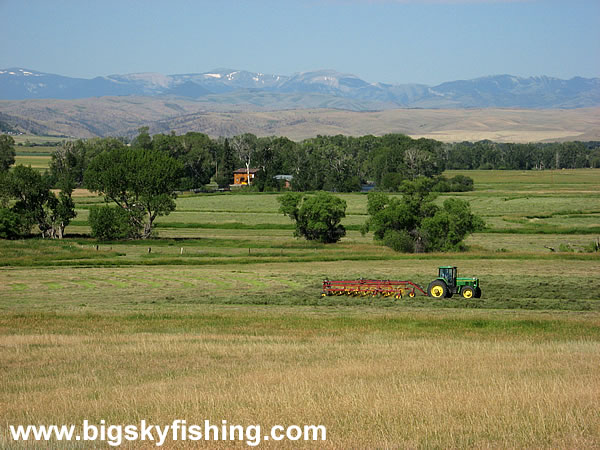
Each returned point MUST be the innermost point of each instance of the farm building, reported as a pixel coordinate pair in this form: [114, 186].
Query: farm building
[287, 180]
[240, 176]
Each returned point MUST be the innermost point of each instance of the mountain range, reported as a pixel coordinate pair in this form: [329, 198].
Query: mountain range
[316, 89]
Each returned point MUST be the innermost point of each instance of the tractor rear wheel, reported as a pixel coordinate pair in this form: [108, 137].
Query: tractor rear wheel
[437, 289]
[467, 292]
[477, 292]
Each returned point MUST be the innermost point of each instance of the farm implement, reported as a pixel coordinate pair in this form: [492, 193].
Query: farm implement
[444, 286]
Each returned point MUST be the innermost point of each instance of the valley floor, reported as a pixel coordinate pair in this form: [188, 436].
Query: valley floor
[223, 320]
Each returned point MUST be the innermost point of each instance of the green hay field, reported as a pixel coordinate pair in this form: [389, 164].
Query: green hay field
[35, 161]
[223, 320]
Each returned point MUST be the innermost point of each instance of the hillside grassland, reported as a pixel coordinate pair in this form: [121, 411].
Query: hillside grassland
[119, 116]
[220, 317]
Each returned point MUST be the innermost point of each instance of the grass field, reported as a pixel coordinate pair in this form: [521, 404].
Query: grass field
[35, 161]
[38, 155]
[373, 378]
[28, 139]
[223, 320]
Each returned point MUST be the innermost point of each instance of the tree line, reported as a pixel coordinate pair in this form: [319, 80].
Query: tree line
[503, 156]
[141, 177]
[346, 163]
[329, 163]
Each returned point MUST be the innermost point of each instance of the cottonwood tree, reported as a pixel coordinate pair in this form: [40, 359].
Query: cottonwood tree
[317, 217]
[7, 152]
[35, 204]
[225, 164]
[141, 181]
[198, 158]
[413, 223]
[67, 163]
[448, 227]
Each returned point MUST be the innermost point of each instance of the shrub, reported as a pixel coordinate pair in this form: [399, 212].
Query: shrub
[459, 183]
[110, 223]
[12, 225]
[400, 241]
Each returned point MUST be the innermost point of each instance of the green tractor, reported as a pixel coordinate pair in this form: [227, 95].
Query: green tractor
[447, 284]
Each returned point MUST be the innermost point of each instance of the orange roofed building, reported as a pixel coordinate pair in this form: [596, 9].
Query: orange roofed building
[240, 176]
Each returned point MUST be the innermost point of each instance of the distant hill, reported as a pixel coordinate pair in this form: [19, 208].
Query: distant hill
[122, 116]
[226, 102]
[317, 89]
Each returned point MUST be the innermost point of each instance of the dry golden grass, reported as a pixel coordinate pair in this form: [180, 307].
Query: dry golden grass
[371, 386]
[118, 115]
[502, 125]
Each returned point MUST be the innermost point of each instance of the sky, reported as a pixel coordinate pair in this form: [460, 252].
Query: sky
[392, 41]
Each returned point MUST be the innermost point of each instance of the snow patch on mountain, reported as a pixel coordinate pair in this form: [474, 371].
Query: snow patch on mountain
[489, 91]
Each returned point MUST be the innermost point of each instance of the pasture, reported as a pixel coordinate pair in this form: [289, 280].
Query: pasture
[223, 319]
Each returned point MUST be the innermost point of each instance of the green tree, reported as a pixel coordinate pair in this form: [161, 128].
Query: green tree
[449, 226]
[272, 158]
[7, 152]
[423, 159]
[143, 140]
[399, 241]
[413, 223]
[67, 163]
[317, 217]
[141, 181]
[195, 151]
[36, 204]
[307, 168]
[226, 164]
[168, 143]
[388, 216]
[12, 225]
[197, 159]
[391, 182]
[327, 163]
[109, 223]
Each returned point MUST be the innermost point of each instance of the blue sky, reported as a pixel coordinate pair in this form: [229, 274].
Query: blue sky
[396, 41]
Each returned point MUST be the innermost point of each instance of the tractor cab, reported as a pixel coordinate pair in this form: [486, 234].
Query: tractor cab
[448, 283]
[448, 274]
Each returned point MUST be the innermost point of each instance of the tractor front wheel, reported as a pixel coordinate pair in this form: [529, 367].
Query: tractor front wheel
[437, 289]
[467, 292]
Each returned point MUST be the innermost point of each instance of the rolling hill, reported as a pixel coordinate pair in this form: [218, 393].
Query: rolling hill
[226, 102]
[122, 116]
